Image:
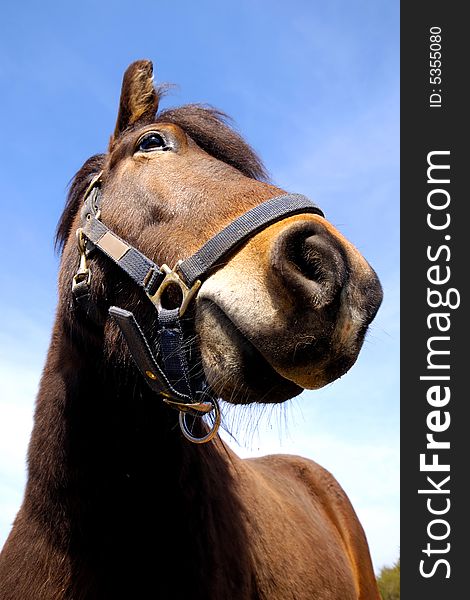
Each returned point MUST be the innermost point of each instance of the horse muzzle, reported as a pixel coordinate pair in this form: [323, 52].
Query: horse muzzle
[297, 298]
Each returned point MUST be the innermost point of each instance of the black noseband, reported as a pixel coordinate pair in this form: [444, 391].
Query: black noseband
[167, 368]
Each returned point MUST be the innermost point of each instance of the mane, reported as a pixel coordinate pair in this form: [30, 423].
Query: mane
[206, 125]
[210, 129]
[77, 188]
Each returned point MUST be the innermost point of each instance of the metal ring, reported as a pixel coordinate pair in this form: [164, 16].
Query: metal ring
[210, 435]
[173, 278]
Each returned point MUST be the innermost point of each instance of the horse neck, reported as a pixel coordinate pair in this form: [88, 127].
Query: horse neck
[112, 481]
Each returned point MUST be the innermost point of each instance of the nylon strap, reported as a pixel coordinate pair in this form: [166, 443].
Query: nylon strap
[196, 404]
[143, 355]
[242, 228]
[172, 350]
[148, 275]
[141, 269]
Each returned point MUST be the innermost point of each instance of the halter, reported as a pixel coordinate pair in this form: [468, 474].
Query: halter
[169, 367]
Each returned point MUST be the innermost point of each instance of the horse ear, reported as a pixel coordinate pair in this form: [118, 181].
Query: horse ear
[139, 99]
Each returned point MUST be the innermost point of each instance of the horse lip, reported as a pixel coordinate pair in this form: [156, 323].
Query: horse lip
[335, 367]
[273, 372]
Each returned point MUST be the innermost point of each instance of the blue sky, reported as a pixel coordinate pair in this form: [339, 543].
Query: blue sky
[314, 87]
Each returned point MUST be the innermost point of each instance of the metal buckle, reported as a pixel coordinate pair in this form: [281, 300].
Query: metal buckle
[83, 274]
[172, 278]
[197, 409]
[95, 210]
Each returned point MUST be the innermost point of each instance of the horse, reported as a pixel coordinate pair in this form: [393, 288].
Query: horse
[119, 501]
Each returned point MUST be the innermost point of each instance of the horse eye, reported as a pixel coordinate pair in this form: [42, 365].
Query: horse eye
[151, 141]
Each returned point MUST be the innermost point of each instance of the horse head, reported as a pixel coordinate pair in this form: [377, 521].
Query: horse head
[286, 310]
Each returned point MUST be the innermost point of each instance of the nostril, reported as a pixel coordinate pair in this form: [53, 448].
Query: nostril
[306, 256]
[309, 261]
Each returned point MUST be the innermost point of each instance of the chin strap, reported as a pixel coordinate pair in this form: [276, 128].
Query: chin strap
[169, 367]
[197, 405]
